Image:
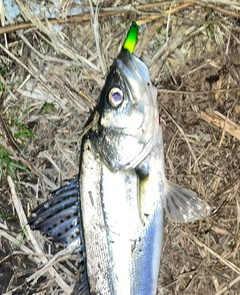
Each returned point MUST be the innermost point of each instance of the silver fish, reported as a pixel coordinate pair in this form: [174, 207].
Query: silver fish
[113, 212]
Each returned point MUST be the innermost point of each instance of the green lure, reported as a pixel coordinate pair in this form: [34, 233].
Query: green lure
[131, 39]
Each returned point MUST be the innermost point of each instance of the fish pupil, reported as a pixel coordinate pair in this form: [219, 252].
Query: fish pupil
[116, 96]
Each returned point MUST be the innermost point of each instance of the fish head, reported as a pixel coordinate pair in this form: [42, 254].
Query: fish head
[127, 125]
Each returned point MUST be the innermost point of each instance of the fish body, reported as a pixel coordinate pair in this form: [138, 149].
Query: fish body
[121, 212]
[121, 190]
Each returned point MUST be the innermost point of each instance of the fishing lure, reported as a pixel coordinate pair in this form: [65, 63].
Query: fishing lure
[131, 38]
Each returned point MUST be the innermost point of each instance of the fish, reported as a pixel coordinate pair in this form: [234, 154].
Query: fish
[112, 212]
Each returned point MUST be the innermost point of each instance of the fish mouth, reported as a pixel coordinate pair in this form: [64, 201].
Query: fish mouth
[135, 72]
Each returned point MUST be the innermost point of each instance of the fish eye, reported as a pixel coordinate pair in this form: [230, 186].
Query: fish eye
[115, 97]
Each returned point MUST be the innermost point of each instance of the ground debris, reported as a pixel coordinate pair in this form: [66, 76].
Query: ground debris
[51, 73]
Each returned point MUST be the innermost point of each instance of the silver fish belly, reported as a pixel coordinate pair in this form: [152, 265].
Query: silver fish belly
[122, 247]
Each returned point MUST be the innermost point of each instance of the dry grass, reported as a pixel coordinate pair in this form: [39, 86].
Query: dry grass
[50, 83]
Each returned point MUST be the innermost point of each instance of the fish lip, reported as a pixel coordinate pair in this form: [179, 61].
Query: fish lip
[134, 70]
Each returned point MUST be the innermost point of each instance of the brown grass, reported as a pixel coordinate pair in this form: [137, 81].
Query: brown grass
[51, 83]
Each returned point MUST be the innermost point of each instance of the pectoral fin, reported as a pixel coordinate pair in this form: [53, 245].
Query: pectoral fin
[182, 205]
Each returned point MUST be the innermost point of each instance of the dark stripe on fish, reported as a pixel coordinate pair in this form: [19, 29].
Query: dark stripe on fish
[58, 217]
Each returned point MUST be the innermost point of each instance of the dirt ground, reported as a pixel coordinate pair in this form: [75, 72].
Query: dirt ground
[50, 79]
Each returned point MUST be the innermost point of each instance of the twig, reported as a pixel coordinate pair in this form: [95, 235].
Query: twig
[221, 121]
[22, 217]
[95, 25]
[80, 18]
[201, 244]
[227, 190]
[73, 19]
[60, 256]
[82, 94]
[181, 131]
[198, 92]
[228, 287]
[57, 99]
[13, 240]
[23, 221]
[17, 153]
[217, 8]
[174, 41]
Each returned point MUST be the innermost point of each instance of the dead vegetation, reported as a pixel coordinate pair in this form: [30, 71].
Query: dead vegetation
[51, 73]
